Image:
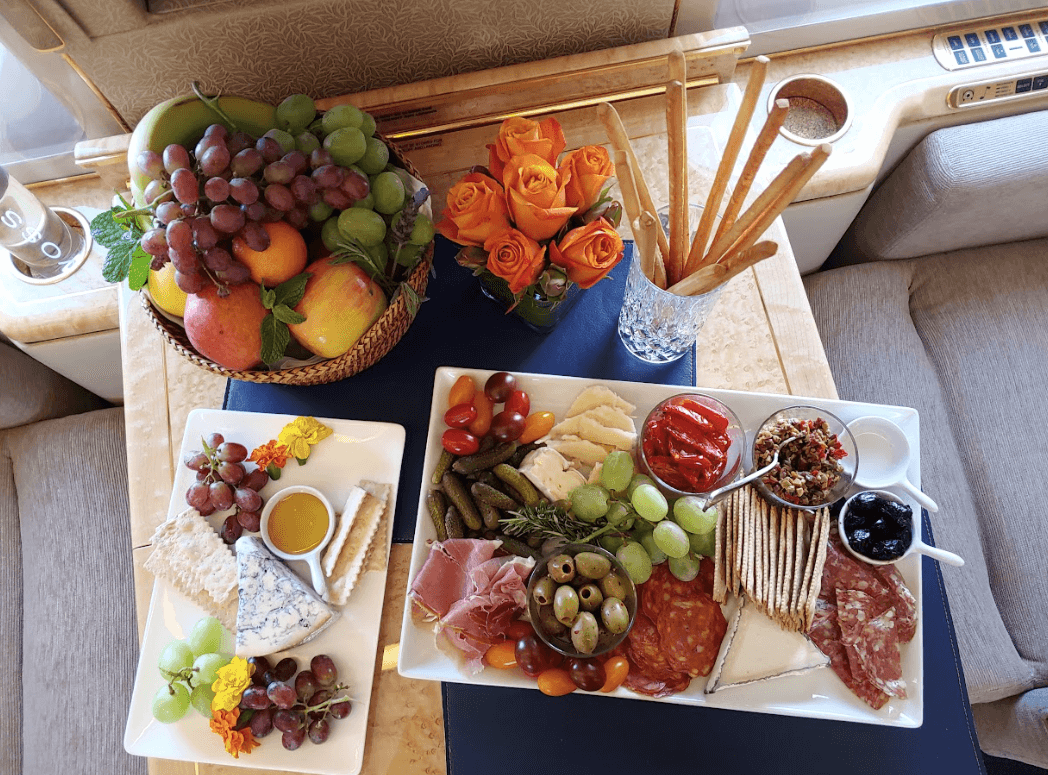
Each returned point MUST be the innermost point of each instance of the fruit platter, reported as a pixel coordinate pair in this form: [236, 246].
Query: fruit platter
[272, 243]
[275, 672]
[548, 502]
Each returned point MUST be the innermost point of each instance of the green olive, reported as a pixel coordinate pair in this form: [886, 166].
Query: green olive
[549, 624]
[544, 590]
[585, 633]
[566, 604]
[592, 565]
[590, 597]
[613, 585]
[561, 568]
[614, 615]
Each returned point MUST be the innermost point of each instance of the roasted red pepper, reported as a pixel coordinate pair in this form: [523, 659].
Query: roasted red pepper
[686, 446]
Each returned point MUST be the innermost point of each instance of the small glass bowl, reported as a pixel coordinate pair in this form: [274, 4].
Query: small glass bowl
[561, 643]
[849, 463]
[735, 432]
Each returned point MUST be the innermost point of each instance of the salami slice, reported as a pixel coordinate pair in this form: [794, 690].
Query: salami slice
[691, 631]
[903, 600]
[872, 645]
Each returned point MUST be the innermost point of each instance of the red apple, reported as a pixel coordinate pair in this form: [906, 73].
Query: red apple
[340, 303]
[227, 330]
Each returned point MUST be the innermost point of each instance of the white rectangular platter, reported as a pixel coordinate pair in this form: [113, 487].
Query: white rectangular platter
[816, 694]
[355, 451]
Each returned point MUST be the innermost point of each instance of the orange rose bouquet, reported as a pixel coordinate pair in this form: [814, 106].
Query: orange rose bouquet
[537, 224]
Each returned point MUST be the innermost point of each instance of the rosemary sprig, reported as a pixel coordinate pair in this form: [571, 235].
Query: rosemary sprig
[546, 520]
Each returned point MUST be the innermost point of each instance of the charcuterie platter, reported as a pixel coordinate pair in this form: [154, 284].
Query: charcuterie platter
[346, 463]
[767, 659]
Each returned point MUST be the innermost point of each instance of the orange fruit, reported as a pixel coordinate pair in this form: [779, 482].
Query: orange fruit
[285, 257]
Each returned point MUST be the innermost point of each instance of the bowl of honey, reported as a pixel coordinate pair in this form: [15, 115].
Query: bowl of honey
[297, 524]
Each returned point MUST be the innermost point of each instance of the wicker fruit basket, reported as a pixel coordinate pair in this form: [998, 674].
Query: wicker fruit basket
[369, 350]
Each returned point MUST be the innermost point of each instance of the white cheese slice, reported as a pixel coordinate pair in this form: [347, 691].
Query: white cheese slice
[345, 522]
[755, 648]
[587, 426]
[278, 609]
[598, 395]
[551, 473]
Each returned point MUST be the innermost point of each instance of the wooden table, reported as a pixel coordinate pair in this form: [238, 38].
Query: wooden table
[761, 338]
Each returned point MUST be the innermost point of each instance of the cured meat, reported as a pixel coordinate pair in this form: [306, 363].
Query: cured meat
[861, 616]
[676, 635]
[473, 595]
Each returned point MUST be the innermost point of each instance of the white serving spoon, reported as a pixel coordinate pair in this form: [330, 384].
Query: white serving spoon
[917, 546]
[312, 556]
[885, 454]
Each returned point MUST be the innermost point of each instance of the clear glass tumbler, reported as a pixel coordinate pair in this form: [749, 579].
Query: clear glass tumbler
[658, 326]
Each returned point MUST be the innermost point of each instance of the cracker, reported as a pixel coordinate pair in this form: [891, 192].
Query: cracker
[798, 566]
[756, 504]
[378, 552]
[809, 567]
[786, 542]
[719, 585]
[351, 560]
[736, 544]
[188, 553]
[823, 540]
[773, 558]
[345, 521]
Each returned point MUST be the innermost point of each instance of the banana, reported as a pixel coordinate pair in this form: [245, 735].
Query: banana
[183, 120]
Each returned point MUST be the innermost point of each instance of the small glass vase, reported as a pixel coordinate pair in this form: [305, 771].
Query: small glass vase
[535, 310]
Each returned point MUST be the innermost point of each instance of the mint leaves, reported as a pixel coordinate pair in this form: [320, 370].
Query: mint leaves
[280, 302]
[119, 233]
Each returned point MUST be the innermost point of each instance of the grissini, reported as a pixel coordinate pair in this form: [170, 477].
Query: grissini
[676, 132]
[770, 204]
[758, 71]
[709, 277]
[620, 141]
[650, 224]
[644, 241]
[768, 133]
[627, 186]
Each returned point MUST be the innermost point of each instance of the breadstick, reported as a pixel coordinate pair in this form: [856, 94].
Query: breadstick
[676, 131]
[758, 70]
[649, 225]
[677, 64]
[630, 203]
[702, 281]
[620, 141]
[760, 149]
[770, 204]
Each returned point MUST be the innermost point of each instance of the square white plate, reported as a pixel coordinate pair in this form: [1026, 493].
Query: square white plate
[355, 451]
[817, 694]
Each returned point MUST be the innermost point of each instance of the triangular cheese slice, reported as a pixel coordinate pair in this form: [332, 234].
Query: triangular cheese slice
[278, 609]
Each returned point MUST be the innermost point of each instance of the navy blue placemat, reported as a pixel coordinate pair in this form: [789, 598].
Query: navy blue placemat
[459, 326]
[584, 734]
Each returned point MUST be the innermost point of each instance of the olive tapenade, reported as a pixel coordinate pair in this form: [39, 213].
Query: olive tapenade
[809, 467]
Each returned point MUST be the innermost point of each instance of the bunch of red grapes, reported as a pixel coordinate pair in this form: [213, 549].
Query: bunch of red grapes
[224, 190]
[223, 481]
[298, 706]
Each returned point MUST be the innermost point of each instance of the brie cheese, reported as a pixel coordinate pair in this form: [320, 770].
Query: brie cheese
[278, 609]
[551, 473]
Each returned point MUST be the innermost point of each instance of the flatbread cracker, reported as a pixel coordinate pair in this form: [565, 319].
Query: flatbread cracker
[809, 566]
[786, 542]
[798, 566]
[760, 572]
[737, 546]
[351, 560]
[823, 539]
[719, 585]
[773, 558]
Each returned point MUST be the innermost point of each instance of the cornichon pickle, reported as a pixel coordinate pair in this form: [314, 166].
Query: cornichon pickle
[479, 461]
[453, 523]
[489, 514]
[460, 497]
[437, 505]
[485, 493]
[520, 483]
[522, 451]
[518, 547]
[443, 464]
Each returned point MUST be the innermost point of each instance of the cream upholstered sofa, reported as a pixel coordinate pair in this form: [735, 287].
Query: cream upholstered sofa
[68, 633]
[942, 305]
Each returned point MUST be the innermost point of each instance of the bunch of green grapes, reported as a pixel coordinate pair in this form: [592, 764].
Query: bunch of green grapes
[189, 667]
[642, 527]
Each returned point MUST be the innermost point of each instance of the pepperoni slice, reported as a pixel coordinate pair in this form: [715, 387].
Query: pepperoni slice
[691, 632]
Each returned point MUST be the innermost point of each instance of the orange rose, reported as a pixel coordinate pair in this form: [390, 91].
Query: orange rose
[588, 252]
[516, 258]
[476, 210]
[522, 136]
[588, 169]
[536, 197]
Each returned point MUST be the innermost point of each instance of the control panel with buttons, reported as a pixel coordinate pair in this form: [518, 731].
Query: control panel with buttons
[971, 48]
[972, 94]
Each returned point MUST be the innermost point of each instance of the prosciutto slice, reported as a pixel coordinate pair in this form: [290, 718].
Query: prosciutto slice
[472, 595]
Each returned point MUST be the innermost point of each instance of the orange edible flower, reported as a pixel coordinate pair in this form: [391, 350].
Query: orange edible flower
[521, 136]
[237, 741]
[270, 452]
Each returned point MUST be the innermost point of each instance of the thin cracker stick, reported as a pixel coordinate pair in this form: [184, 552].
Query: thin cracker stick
[758, 71]
[620, 141]
[820, 563]
[798, 568]
[760, 550]
[786, 542]
[773, 557]
[809, 568]
[719, 587]
[677, 146]
[768, 133]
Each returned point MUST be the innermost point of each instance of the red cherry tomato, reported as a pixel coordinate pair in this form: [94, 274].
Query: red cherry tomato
[459, 442]
[499, 386]
[460, 415]
[518, 629]
[507, 425]
[518, 402]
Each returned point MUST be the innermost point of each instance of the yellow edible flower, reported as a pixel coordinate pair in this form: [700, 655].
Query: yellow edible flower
[300, 434]
[229, 687]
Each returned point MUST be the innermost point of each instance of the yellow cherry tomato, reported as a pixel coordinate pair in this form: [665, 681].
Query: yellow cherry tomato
[501, 655]
[615, 669]
[556, 682]
[536, 426]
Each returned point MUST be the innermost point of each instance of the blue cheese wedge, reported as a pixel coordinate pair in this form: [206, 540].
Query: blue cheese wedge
[278, 610]
[756, 648]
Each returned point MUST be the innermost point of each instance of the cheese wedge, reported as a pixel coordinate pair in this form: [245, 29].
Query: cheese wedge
[598, 395]
[278, 610]
[551, 473]
[345, 522]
